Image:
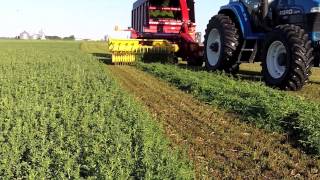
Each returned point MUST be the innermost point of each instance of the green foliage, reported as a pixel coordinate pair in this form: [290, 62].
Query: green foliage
[94, 47]
[63, 117]
[163, 3]
[70, 38]
[161, 14]
[254, 102]
[53, 38]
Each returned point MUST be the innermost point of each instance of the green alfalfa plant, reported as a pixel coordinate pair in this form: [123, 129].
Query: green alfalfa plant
[164, 3]
[267, 108]
[63, 116]
[157, 14]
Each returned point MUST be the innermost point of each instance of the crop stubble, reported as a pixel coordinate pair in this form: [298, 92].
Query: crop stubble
[217, 142]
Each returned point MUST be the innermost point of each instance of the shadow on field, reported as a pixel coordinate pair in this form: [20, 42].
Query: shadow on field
[103, 57]
[288, 123]
[249, 75]
[242, 74]
[315, 82]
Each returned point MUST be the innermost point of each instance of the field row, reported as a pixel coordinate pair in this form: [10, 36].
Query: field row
[267, 108]
[255, 102]
[63, 116]
[219, 144]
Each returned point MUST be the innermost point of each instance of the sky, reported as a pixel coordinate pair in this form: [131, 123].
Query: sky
[90, 19]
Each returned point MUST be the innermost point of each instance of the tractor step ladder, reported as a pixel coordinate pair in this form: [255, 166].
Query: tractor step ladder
[248, 51]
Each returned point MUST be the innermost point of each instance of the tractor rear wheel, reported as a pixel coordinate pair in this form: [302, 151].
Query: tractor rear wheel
[288, 58]
[222, 44]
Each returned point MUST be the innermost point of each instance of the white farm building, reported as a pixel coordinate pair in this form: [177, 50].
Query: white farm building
[26, 36]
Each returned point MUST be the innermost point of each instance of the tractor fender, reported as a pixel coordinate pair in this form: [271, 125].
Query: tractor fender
[238, 12]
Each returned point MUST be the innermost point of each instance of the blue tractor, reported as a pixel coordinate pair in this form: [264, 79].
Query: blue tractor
[283, 34]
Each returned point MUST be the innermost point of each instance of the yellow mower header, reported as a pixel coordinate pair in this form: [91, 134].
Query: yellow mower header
[128, 51]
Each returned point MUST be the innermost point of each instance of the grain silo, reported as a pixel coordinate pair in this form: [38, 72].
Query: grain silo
[42, 36]
[24, 35]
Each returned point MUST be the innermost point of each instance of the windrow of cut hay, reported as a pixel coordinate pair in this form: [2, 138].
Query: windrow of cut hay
[94, 47]
[254, 102]
[63, 117]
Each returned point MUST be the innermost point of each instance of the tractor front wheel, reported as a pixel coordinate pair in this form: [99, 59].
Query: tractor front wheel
[222, 44]
[288, 57]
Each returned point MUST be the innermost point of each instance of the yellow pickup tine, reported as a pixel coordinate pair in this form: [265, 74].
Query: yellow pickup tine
[128, 51]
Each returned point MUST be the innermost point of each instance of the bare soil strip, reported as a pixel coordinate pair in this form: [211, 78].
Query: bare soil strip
[217, 142]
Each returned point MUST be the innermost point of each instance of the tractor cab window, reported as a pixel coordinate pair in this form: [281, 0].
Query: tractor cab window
[252, 4]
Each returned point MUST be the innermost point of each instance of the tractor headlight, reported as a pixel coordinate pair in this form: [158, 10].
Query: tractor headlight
[315, 10]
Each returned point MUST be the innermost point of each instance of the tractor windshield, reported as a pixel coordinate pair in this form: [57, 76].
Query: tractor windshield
[252, 4]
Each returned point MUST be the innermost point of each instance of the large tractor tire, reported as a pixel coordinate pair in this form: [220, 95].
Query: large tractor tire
[288, 58]
[222, 44]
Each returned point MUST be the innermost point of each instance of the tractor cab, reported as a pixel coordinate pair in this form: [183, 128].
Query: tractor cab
[261, 12]
[252, 5]
[270, 13]
[257, 4]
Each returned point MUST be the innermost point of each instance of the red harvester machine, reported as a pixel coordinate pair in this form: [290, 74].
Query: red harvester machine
[160, 26]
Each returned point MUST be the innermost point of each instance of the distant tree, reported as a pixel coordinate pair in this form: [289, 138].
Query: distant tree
[70, 38]
[53, 38]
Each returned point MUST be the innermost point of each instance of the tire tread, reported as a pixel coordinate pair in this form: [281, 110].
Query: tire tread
[231, 43]
[301, 54]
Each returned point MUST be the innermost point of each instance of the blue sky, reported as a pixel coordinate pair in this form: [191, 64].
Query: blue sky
[84, 18]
